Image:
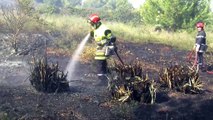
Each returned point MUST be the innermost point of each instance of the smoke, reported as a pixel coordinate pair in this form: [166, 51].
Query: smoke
[14, 73]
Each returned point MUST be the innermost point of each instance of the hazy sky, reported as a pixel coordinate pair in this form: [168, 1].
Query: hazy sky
[212, 5]
[136, 3]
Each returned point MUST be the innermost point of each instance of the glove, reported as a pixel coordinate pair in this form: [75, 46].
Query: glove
[102, 42]
[197, 48]
[113, 39]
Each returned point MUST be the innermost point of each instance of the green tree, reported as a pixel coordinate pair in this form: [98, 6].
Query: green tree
[57, 3]
[50, 6]
[39, 1]
[94, 3]
[110, 5]
[123, 11]
[74, 2]
[118, 10]
[175, 14]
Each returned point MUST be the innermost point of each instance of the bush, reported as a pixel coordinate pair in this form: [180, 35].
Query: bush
[130, 83]
[46, 77]
[181, 78]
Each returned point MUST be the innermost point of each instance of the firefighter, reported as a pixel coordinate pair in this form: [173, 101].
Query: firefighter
[104, 40]
[200, 45]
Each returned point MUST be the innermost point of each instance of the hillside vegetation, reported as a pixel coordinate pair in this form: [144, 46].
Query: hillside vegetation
[66, 21]
[77, 26]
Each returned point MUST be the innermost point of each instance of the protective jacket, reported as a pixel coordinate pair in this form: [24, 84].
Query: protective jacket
[102, 37]
[201, 41]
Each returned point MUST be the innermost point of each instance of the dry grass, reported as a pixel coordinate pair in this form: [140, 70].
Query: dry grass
[88, 54]
[75, 28]
[71, 24]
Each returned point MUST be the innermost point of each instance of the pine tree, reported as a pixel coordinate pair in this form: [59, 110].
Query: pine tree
[175, 14]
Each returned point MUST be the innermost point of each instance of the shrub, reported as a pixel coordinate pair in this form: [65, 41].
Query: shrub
[181, 78]
[46, 77]
[130, 83]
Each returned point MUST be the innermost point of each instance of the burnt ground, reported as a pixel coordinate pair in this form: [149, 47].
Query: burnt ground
[86, 101]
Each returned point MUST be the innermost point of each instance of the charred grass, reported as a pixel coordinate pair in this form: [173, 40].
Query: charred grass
[129, 95]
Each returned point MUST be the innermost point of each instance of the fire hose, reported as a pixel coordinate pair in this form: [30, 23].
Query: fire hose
[190, 58]
[116, 52]
[112, 50]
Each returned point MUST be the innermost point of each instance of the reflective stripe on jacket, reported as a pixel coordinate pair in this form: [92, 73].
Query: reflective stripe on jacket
[201, 37]
[100, 54]
[101, 39]
[200, 41]
[99, 34]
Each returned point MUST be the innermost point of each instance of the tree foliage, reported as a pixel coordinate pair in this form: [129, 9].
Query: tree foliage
[56, 6]
[123, 11]
[175, 14]
[116, 10]
[62, 3]
[68, 3]
[94, 3]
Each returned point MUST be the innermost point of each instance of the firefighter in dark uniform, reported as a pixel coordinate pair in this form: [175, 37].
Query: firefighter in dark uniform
[200, 45]
[103, 38]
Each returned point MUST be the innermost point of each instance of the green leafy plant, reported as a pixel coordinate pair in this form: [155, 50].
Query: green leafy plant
[193, 86]
[46, 77]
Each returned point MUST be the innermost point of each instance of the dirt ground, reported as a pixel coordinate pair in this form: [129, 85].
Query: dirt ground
[86, 101]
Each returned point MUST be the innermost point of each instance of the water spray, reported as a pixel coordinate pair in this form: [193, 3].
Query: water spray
[70, 69]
